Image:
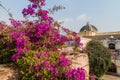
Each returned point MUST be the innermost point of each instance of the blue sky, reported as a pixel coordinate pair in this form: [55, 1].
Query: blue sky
[104, 14]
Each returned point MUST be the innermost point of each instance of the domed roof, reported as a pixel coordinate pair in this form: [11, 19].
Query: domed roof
[88, 27]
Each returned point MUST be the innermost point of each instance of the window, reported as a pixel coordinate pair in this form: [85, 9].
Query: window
[111, 46]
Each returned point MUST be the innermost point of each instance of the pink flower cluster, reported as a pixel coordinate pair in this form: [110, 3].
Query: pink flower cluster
[42, 2]
[35, 9]
[43, 14]
[30, 10]
[76, 74]
[21, 43]
[16, 23]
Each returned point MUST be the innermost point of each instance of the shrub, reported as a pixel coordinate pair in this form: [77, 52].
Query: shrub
[99, 57]
[6, 49]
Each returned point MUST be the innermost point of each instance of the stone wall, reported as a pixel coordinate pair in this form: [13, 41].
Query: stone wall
[85, 41]
[117, 62]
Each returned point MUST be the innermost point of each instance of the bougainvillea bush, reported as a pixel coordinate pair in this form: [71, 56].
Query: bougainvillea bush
[35, 46]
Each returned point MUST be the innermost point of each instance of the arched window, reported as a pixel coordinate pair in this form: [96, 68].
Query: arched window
[111, 46]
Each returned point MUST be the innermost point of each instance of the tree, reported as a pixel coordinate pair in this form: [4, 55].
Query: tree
[99, 58]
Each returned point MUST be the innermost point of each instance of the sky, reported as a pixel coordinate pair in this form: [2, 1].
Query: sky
[104, 14]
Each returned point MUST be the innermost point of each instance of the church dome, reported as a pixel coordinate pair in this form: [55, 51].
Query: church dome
[88, 27]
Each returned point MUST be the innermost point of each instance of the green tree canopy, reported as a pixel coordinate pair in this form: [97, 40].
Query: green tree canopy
[99, 57]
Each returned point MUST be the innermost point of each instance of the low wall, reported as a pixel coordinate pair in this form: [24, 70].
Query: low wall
[118, 66]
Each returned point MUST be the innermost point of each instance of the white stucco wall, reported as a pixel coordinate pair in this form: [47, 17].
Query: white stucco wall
[84, 41]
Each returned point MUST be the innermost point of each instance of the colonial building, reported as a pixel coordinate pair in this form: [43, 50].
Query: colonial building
[109, 39]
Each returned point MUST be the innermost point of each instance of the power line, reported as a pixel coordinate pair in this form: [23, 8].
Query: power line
[6, 11]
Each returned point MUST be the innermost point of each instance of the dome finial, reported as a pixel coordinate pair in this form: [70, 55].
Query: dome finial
[88, 23]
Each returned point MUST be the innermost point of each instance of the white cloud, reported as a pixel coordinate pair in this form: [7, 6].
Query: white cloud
[66, 20]
[82, 17]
